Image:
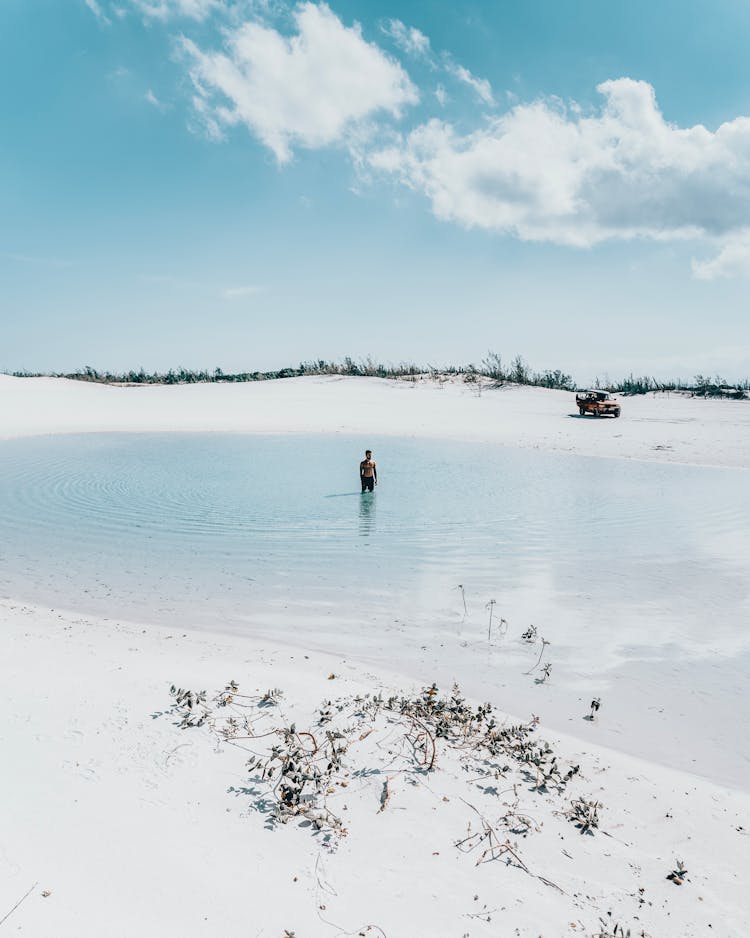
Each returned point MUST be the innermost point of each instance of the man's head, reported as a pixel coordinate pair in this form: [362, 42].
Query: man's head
[368, 454]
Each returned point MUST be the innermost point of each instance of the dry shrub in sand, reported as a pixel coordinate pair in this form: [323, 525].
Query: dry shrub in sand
[613, 930]
[386, 745]
[679, 873]
[300, 770]
[584, 814]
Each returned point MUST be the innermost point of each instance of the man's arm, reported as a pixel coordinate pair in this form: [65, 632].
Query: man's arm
[375, 472]
[362, 469]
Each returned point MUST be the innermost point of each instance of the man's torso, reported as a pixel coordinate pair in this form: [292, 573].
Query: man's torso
[367, 468]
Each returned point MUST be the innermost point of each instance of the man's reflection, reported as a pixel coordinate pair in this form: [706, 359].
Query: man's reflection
[367, 514]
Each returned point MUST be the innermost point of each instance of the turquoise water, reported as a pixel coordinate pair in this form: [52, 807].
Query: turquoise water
[638, 574]
[233, 530]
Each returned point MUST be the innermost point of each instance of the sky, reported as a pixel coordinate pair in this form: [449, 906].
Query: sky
[246, 184]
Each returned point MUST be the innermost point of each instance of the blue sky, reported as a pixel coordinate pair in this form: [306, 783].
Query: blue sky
[247, 184]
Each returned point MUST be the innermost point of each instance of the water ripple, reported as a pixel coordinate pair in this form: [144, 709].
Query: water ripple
[230, 522]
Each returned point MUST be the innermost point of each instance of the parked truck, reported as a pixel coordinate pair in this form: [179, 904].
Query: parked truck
[597, 403]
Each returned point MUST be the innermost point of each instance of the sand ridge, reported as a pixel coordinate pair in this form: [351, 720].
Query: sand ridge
[668, 427]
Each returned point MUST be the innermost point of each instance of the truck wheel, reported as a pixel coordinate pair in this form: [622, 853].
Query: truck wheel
[582, 411]
[617, 413]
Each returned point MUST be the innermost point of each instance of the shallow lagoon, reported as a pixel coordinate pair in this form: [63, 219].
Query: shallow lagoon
[638, 574]
[210, 529]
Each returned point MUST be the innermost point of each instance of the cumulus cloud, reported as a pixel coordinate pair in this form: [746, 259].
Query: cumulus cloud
[307, 90]
[548, 172]
[407, 38]
[481, 86]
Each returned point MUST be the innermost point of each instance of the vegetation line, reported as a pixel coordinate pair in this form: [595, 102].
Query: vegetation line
[492, 369]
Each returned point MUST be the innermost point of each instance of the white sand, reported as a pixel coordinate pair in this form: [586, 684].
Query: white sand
[660, 427]
[130, 823]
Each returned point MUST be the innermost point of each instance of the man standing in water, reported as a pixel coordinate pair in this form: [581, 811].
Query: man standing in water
[368, 472]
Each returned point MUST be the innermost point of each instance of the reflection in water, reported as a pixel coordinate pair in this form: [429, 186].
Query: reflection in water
[367, 514]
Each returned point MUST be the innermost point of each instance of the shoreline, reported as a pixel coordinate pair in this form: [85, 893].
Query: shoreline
[387, 676]
[176, 808]
[681, 710]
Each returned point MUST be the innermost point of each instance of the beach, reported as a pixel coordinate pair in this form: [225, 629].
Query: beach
[133, 825]
[663, 427]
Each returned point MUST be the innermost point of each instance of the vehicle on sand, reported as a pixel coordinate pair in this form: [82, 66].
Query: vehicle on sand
[597, 403]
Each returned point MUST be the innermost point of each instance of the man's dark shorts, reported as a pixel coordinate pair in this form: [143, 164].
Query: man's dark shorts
[368, 485]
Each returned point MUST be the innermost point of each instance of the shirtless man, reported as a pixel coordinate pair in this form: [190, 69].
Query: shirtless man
[368, 472]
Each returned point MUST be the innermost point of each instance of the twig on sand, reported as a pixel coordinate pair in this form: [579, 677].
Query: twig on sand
[362, 930]
[496, 848]
[429, 747]
[463, 597]
[171, 753]
[483, 915]
[24, 896]
[325, 886]
[385, 796]
[548, 882]
[546, 673]
[491, 606]
[539, 659]
[314, 742]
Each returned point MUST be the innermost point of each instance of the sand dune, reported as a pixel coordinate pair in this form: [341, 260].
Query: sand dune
[659, 427]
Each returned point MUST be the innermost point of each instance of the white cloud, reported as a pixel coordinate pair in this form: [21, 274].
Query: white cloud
[546, 172]
[407, 38]
[182, 283]
[441, 95]
[153, 100]
[207, 123]
[309, 89]
[481, 86]
[168, 9]
[234, 293]
[35, 259]
[96, 9]
[733, 260]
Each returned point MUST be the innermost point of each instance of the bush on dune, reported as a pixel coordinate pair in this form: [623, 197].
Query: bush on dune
[492, 371]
